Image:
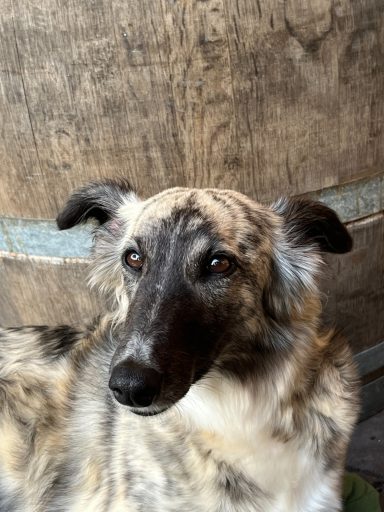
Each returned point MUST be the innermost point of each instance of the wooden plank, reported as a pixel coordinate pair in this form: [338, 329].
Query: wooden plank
[152, 136]
[203, 102]
[304, 83]
[372, 393]
[97, 107]
[269, 98]
[372, 398]
[68, 65]
[370, 360]
[45, 291]
[19, 158]
[354, 285]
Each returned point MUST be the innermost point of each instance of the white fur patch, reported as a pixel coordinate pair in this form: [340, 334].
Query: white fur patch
[234, 420]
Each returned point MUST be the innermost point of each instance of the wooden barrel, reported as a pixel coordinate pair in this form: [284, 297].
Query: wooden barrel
[267, 97]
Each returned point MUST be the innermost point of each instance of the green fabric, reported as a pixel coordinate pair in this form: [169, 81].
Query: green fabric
[359, 496]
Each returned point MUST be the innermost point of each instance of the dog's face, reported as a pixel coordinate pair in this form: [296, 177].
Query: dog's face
[198, 277]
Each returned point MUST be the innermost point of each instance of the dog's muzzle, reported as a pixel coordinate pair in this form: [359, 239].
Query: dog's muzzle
[134, 385]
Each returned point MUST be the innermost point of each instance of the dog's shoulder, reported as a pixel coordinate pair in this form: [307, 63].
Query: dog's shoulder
[39, 367]
[330, 403]
[34, 349]
[41, 342]
[337, 375]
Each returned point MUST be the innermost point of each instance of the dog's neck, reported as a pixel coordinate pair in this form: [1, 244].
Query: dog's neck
[236, 406]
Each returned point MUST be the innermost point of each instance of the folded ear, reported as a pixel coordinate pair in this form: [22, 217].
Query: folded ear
[98, 200]
[306, 230]
[310, 222]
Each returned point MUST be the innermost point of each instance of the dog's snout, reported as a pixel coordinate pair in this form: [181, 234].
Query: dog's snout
[135, 385]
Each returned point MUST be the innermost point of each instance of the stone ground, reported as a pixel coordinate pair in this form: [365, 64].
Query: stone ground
[366, 454]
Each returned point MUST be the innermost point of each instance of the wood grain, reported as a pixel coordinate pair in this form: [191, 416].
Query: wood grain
[39, 291]
[270, 98]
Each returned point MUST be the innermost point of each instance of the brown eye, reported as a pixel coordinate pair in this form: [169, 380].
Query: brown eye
[219, 265]
[133, 260]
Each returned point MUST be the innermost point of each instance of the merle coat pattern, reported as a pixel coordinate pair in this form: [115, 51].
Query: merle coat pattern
[208, 386]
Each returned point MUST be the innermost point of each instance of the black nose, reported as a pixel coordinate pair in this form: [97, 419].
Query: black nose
[134, 385]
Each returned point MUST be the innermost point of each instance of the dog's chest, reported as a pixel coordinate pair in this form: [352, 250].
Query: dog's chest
[205, 456]
[201, 471]
[267, 474]
[270, 475]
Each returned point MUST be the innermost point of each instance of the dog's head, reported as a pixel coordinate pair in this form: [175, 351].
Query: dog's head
[198, 278]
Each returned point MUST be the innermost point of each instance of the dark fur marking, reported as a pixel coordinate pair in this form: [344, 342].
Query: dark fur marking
[56, 341]
[223, 202]
[254, 225]
[237, 486]
[180, 224]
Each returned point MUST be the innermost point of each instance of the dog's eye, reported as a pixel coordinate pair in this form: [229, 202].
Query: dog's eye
[133, 260]
[219, 265]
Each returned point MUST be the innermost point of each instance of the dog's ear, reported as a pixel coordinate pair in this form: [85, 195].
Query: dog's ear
[98, 200]
[307, 229]
[310, 222]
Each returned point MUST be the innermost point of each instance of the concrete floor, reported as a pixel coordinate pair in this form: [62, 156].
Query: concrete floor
[366, 454]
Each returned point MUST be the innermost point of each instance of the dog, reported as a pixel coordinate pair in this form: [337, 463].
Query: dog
[208, 385]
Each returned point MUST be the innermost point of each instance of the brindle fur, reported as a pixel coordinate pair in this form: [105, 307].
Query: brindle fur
[257, 404]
